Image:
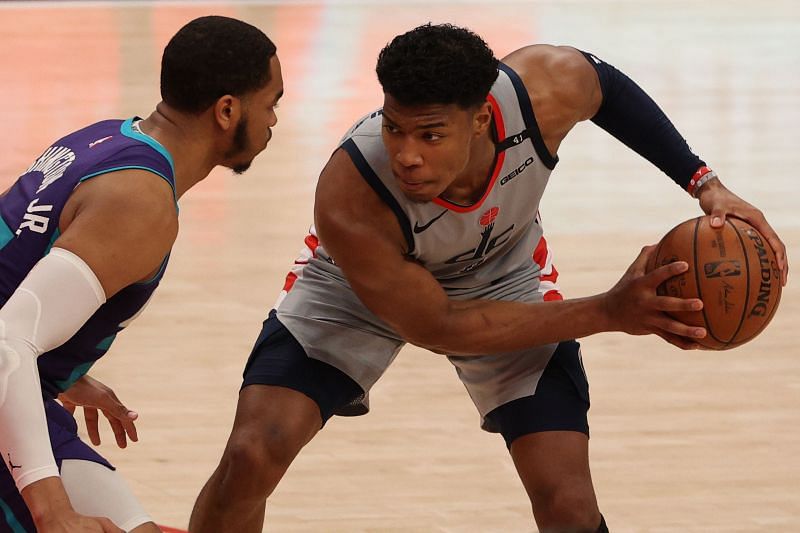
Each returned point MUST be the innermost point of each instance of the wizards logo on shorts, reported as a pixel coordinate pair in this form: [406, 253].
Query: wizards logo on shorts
[476, 256]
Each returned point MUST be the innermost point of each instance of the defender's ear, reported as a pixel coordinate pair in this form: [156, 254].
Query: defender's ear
[227, 111]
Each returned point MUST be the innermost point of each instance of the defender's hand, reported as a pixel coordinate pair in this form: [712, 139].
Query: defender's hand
[72, 522]
[52, 512]
[634, 307]
[716, 200]
[93, 395]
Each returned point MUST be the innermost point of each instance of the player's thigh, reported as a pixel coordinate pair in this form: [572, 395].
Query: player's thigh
[547, 432]
[286, 395]
[541, 389]
[96, 490]
[557, 401]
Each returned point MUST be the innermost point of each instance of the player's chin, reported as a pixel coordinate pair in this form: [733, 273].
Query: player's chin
[241, 168]
[419, 197]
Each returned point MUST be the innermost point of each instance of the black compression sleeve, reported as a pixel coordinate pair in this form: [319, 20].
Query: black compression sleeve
[630, 115]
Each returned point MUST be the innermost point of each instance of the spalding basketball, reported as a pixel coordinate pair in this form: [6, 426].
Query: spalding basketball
[732, 269]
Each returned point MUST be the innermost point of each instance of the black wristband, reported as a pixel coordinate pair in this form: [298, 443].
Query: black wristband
[630, 115]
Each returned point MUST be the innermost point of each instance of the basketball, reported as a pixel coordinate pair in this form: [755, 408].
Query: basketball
[731, 269]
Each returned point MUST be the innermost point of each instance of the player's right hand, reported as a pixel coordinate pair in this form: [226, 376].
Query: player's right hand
[52, 512]
[72, 522]
[633, 306]
[93, 395]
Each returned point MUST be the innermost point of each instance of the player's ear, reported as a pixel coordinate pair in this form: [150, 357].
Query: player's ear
[227, 111]
[482, 118]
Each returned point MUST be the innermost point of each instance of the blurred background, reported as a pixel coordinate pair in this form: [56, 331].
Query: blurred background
[681, 441]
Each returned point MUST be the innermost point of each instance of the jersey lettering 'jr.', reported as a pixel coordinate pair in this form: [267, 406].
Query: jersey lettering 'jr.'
[491, 249]
[29, 218]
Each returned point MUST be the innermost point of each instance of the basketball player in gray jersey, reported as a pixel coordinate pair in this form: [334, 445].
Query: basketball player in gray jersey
[426, 231]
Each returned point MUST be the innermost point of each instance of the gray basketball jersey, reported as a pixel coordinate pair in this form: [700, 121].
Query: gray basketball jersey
[491, 249]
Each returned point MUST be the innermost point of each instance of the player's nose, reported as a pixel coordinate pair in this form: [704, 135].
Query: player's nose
[408, 156]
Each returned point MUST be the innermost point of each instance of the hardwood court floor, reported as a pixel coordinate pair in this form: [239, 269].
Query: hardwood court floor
[681, 442]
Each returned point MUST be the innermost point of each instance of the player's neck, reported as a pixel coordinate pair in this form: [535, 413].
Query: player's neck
[470, 186]
[182, 136]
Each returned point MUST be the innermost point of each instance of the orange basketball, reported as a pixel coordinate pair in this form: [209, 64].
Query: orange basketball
[732, 269]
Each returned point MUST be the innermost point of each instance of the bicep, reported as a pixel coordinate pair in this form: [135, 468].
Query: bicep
[563, 86]
[363, 236]
[121, 225]
[397, 289]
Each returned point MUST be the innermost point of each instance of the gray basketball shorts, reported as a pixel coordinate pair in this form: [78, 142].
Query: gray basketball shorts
[542, 389]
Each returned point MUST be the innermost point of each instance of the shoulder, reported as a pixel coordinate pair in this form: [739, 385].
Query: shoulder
[347, 209]
[122, 224]
[134, 197]
[550, 60]
[562, 85]
[561, 72]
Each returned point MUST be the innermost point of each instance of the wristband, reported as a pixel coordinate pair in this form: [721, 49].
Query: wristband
[700, 178]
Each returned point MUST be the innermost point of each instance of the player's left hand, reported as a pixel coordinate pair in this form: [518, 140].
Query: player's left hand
[92, 395]
[718, 202]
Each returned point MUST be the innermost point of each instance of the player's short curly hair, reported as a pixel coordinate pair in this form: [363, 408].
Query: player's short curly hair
[437, 64]
[211, 57]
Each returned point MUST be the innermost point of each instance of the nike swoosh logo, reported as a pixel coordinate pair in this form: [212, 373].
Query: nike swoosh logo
[420, 229]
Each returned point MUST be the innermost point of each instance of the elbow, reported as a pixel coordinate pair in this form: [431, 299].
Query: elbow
[424, 337]
[439, 335]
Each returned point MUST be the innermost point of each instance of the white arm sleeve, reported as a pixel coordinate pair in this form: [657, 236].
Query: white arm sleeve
[51, 304]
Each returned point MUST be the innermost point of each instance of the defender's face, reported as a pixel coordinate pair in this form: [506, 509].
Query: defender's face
[253, 132]
[428, 146]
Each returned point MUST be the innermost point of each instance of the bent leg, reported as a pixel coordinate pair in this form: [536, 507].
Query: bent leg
[548, 437]
[272, 424]
[96, 490]
[554, 468]
[285, 400]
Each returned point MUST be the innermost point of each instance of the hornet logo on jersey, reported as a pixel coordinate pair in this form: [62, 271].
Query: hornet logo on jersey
[478, 255]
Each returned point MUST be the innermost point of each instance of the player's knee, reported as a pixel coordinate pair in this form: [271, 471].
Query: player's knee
[244, 468]
[567, 508]
[259, 454]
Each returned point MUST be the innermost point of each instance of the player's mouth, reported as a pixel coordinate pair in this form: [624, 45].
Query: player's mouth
[408, 183]
[411, 186]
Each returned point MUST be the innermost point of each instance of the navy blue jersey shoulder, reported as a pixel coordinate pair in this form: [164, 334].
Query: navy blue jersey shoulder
[532, 126]
[377, 185]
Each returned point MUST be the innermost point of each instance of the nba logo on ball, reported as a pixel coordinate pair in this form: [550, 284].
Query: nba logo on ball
[732, 269]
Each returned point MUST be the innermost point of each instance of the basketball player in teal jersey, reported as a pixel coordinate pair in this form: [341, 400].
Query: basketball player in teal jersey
[427, 232]
[85, 236]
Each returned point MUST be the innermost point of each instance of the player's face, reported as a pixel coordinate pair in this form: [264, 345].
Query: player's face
[253, 131]
[428, 145]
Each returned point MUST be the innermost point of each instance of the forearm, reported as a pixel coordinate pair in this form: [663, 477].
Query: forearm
[49, 306]
[45, 498]
[630, 115]
[476, 327]
[23, 428]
